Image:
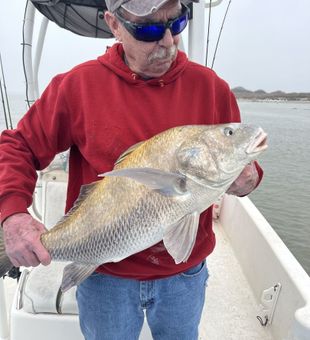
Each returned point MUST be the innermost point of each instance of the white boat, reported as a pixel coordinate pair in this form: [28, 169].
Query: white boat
[257, 289]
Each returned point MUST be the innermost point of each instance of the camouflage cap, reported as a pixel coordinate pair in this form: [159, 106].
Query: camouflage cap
[139, 8]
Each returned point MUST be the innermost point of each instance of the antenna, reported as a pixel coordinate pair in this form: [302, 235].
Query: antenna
[208, 34]
[220, 33]
[6, 106]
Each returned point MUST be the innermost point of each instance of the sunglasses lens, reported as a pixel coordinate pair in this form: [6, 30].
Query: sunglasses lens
[178, 25]
[150, 32]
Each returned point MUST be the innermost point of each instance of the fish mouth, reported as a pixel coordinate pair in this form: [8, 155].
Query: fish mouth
[259, 144]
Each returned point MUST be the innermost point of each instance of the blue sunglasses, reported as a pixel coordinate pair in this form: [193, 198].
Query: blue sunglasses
[151, 32]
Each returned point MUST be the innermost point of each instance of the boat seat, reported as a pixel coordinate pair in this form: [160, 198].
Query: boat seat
[39, 287]
[40, 291]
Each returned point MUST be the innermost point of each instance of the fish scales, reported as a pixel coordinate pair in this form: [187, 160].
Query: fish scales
[116, 228]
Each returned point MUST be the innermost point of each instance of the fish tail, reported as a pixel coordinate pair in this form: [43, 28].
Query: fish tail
[5, 263]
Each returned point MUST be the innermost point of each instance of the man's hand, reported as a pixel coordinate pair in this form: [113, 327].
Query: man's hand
[22, 241]
[246, 182]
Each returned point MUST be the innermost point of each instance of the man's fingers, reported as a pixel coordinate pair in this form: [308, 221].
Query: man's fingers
[31, 259]
[30, 256]
[27, 259]
[42, 254]
[15, 262]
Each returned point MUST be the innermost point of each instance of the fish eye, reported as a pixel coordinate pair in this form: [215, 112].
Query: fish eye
[228, 131]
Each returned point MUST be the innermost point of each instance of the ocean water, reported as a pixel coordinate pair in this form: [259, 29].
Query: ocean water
[284, 194]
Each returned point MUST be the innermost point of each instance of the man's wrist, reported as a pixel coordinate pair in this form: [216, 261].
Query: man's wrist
[12, 205]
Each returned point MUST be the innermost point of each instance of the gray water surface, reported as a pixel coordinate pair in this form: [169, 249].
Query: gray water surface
[284, 195]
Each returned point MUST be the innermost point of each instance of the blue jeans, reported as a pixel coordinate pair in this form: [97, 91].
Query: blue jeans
[111, 308]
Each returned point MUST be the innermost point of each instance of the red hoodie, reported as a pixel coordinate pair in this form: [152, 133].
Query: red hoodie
[99, 109]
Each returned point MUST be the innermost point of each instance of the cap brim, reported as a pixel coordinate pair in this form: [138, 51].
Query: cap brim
[143, 8]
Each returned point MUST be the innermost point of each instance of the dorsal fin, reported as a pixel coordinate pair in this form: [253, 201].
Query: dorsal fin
[85, 190]
[127, 152]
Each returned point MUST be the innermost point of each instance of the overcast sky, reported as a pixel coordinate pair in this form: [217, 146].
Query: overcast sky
[265, 45]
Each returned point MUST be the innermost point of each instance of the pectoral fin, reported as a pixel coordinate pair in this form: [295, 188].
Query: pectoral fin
[167, 183]
[181, 236]
[74, 274]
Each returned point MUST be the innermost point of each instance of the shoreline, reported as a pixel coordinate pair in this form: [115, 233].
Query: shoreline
[261, 95]
[271, 100]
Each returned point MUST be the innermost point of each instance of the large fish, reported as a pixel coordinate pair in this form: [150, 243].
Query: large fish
[155, 192]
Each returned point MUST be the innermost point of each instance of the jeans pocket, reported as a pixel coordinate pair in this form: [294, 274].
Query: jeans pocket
[195, 271]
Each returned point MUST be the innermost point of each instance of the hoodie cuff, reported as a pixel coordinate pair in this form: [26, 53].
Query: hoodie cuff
[11, 205]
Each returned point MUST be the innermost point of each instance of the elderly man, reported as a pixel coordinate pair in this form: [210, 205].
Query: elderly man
[141, 86]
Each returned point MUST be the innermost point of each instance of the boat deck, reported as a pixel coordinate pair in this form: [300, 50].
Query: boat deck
[230, 310]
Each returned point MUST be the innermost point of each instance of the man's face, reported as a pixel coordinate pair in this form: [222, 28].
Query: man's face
[150, 59]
